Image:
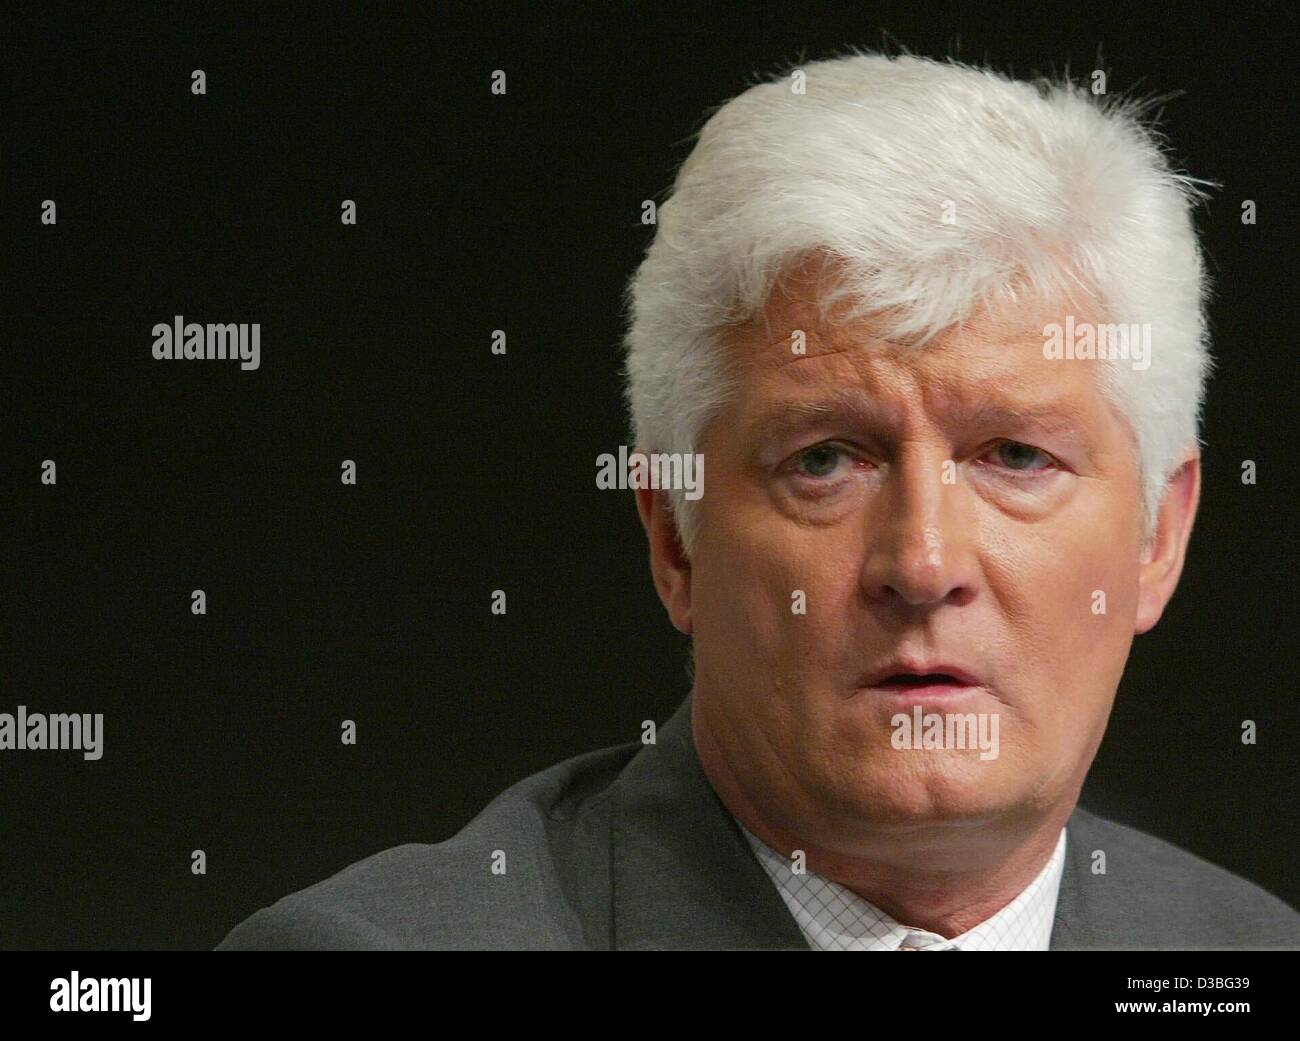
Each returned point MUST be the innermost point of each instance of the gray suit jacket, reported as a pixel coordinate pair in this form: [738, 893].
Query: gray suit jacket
[630, 847]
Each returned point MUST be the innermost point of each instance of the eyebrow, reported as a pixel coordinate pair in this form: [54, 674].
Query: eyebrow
[1053, 417]
[792, 415]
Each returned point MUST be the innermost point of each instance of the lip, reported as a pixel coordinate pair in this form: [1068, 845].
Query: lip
[908, 667]
[948, 680]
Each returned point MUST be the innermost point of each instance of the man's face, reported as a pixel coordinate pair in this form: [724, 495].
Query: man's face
[962, 507]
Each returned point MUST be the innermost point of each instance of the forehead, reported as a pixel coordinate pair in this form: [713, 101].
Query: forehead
[995, 353]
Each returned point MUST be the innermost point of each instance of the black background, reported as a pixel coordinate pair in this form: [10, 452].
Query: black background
[476, 471]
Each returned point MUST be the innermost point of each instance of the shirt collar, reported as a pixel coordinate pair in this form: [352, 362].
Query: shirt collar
[833, 917]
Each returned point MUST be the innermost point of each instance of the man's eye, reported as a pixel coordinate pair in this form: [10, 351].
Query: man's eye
[1015, 455]
[819, 461]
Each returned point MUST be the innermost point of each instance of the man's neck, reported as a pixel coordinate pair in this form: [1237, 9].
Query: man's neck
[944, 888]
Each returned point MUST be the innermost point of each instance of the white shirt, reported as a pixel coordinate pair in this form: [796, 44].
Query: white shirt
[833, 918]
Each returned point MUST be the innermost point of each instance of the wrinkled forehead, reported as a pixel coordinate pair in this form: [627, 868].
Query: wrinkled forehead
[797, 344]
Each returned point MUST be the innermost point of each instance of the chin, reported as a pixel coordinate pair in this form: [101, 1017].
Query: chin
[939, 791]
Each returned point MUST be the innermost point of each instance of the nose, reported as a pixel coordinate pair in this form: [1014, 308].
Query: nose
[920, 549]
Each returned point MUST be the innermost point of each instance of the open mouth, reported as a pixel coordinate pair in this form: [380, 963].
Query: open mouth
[938, 680]
[929, 679]
[904, 678]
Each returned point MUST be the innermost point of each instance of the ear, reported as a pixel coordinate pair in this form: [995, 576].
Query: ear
[669, 564]
[1162, 559]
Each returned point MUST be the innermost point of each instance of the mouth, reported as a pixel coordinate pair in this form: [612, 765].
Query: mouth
[924, 681]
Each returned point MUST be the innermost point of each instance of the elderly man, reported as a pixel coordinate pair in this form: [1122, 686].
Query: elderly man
[939, 337]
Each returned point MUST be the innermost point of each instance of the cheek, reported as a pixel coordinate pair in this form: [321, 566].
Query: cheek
[1104, 635]
[1069, 600]
[768, 595]
[734, 598]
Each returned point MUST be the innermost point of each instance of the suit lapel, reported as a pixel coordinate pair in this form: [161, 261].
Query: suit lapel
[1067, 923]
[683, 874]
[1085, 918]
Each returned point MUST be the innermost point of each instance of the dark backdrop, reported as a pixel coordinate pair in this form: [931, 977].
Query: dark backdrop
[476, 471]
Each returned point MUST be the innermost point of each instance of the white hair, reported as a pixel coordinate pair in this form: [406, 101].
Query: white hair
[1052, 188]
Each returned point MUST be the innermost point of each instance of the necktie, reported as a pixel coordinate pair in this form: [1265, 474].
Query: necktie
[920, 942]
